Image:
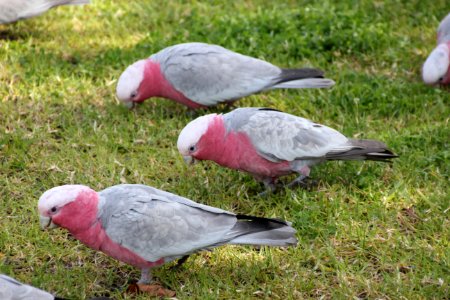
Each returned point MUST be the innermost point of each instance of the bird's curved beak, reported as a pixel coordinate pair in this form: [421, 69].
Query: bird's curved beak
[46, 222]
[189, 160]
[129, 104]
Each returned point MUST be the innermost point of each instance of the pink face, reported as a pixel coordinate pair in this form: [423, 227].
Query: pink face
[65, 203]
[191, 134]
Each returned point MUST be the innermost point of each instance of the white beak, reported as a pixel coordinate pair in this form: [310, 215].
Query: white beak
[189, 160]
[129, 104]
[46, 222]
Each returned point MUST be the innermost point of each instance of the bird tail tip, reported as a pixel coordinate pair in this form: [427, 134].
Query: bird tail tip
[308, 83]
[264, 231]
[363, 150]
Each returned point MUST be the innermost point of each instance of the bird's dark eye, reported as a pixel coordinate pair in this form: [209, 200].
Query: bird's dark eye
[191, 148]
[133, 94]
[440, 79]
[53, 209]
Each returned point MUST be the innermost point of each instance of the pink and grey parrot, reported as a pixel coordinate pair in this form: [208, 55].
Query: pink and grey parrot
[14, 10]
[146, 227]
[11, 289]
[200, 75]
[268, 144]
[436, 69]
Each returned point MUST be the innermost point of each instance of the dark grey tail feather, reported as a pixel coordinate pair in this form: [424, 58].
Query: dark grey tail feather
[362, 150]
[302, 73]
[262, 231]
[306, 78]
[264, 220]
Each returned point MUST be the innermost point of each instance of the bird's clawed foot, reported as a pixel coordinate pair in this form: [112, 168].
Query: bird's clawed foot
[265, 193]
[270, 185]
[230, 105]
[153, 290]
[303, 181]
[146, 277]
[191, 113]
[147, 286]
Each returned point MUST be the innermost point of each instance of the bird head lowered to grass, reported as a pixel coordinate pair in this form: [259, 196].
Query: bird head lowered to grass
[436, 69]
[200, 75]
[146, 227]
[268, 143]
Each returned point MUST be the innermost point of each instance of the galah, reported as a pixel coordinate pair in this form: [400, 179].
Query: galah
[11, 289]
[200, 75]
[436, 69]
[14, 10]
[146, 227]
[268, 144]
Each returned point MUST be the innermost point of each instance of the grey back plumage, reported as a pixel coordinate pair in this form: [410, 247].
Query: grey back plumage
[14, 10]
[209, 74]
[155, 224]
[11, 289]
[444, 30]
[279, 136]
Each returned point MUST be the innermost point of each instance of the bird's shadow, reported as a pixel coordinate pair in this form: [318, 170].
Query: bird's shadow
[9, 34]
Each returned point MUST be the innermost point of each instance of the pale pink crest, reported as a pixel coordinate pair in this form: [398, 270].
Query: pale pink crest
[60, 196]
[192, 133]
[437, 64]
[130, 80]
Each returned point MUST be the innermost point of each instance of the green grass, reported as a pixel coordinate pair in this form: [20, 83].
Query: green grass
[369, 230]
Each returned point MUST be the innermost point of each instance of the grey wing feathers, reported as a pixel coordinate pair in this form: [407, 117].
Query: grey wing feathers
[209, 74]
[9, 10]
[14, 10]
[11, 289]
[153, 226]
[278, 136]
[444, 30]
[141, 190]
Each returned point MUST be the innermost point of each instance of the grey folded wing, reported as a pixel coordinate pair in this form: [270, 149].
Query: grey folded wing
[444, 30]
[11, 289]
[156, 224]
[9, 10]
[278, 136]
[209, 74]
[14, 10]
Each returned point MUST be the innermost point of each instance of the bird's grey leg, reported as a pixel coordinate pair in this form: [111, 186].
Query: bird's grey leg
[191, 113]
[146, 276]
[269, 184]
[231, 104]
[300, 180]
